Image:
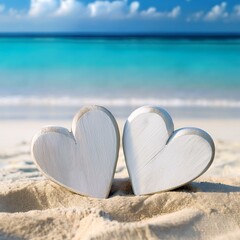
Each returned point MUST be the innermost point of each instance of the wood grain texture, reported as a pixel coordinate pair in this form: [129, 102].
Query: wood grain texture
[159, 158]
[83, 160]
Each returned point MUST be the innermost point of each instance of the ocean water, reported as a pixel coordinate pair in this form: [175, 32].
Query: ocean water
[54, 76]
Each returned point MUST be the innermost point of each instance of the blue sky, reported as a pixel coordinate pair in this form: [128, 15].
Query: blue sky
[119, 15]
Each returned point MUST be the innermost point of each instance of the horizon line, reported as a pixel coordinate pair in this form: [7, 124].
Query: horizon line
[167, 35]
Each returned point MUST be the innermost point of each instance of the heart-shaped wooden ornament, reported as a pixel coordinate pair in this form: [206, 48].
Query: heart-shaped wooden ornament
[159, 158]
[83, 160]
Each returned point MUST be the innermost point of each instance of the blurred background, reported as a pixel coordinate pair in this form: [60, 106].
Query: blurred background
[58, 55]
[52, 76]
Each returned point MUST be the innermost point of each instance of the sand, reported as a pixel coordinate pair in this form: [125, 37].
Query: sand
[32, 207]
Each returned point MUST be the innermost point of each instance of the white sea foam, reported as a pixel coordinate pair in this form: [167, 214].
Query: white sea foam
[115, 102]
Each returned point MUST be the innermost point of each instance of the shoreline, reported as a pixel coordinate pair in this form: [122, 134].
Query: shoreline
[15, 131]
[63, 114]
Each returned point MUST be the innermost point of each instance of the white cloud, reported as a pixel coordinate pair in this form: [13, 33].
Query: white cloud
[42, 7]
[98, 8]
[175, 12]
[106, 8]
[2, 8]
[111, 9]
[217, 12]
[134, 7]
[69, 7]
[152, 12]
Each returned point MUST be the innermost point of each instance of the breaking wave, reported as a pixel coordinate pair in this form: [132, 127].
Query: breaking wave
[115, 102]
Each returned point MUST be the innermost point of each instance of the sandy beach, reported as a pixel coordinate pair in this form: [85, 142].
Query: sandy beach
[57, 56]
[33, 207]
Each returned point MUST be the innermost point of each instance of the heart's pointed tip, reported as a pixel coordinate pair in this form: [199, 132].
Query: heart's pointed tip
[96, 196]
[78, 191]
[92, 196]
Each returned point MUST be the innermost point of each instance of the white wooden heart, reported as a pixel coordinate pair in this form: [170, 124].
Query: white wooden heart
[84, 160]
[159, 158]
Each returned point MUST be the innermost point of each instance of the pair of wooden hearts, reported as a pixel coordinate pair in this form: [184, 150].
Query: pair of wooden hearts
[157, 157]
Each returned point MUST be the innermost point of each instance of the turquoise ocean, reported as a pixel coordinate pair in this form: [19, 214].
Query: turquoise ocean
[52, 77]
